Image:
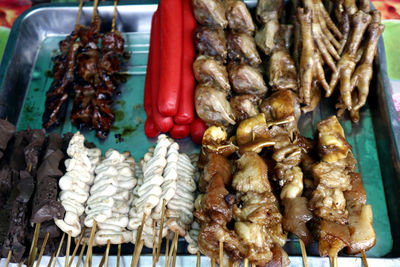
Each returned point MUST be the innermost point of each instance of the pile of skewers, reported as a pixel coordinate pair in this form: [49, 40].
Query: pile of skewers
[86, 71]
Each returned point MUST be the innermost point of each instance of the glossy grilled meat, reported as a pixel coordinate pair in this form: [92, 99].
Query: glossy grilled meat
[247, 80]
[210, 42]
[242, 49]
[244, 106]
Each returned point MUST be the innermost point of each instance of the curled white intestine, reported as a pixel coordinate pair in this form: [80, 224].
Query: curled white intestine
[75, 183]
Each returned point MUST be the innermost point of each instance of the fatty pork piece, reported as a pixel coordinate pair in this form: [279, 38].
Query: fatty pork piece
[296, 215]
[282, 105]
[332, 142]
[332, 237]
[247, 80]
[242, 49]
[7, 130]
[210, 42]
[362, 233]
[251, 175]
[244, 106]
[239, 17]
[269, 38]
[282, 71]
[212, 106]
[210, 13]
[268, 10]
[209, 71]
[252, 129]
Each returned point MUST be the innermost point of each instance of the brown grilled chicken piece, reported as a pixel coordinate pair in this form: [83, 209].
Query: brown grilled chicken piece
[242, 49]
[269, 38]
[244, 106]
[210, 42]
[362, 233]
[282, 72]
[268, 10]
[247, 80]
[333, 237]
[209, 71]
[239, 17]
[215, 140]
[210, 13]
[220, 211]
[212, 107]
[252, 129]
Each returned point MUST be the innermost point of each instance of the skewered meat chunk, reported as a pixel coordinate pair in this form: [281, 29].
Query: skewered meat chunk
[282, 71]
[210, 13]
[268, 10]
[295, 217]
[242, 49]
[247, 80]
[332, 142]
[217, 164]
[333, 237]
[210, 42]
[282, 105]
[259, 208]
[252, 174]
[209, 71]
[215, 140]
[212, 107]
[252, 129]
[244, 106]
[7, 131]
[268, 38]
[113, 42]
[362, 233]
[239, 17]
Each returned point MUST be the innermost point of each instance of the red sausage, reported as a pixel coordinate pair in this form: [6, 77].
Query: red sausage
[180, 131]
[171, 56]
[150, 129]
[197, 129]
[185, 113]
[162, 123]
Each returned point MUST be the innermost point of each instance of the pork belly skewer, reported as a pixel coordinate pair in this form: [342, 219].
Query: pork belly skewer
[339, 200]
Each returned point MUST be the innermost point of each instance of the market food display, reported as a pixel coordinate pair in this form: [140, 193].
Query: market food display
[238, 84]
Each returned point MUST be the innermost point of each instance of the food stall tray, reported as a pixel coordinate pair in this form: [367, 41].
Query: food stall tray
[25, 78]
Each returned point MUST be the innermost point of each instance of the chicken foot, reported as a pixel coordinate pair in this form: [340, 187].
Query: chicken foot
[347, 62]
[310, 62]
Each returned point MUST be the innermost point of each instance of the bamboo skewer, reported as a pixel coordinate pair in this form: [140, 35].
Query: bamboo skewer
[161, 230]
[246, 262]
[198, 259]
[364, 258]
[333, 261]
[136, 256]
[107, 252]
[114, 16]
[34, 243]
[173, 244]
[221, 253]
[51, 259]
[167, 245]
[68, 248]
[303, 253]
[77, 246]
[212, 262]
[101, 264]
[59, 249]
[96, 2]
[138, 248]
[154, 252]
[81, 255]
[118, 254]
[8, 257]
[79, 13]
[175, 250]
[90, 246]
[46, 238]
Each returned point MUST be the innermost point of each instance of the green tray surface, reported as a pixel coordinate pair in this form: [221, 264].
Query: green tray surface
[130, 118]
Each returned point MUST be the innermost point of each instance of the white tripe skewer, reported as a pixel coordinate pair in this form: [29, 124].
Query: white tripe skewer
[76, 182]
[110, 198]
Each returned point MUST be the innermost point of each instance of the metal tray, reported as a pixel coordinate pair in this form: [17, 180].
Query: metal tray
[23, 83]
